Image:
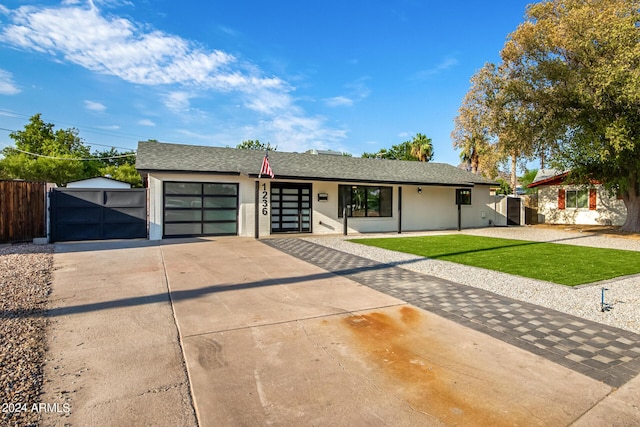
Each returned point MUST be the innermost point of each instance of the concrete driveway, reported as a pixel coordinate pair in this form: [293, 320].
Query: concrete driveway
[231, 331]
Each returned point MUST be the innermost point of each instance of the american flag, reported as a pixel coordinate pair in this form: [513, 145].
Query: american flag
[266, 167]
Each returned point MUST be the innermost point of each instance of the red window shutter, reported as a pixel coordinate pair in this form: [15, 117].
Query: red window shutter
[561, 199]
[592, 199]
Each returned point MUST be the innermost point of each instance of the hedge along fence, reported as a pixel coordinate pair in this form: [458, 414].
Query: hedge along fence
[22, 211]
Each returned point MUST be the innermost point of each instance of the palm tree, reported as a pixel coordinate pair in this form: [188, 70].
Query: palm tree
[422, 148]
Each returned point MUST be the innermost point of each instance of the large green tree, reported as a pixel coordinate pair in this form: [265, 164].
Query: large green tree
[400, 151]
[578, 61]
[419, 148]
[422, 148]
[44, 154]
[471, 133]
[255, 144]
[496, 124]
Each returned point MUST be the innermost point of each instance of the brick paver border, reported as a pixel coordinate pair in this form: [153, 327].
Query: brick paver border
[602, 352]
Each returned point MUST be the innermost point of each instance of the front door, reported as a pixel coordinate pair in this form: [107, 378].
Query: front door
[290, 208]
[513, 211]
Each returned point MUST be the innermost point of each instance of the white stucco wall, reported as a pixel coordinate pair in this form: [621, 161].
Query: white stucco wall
[609, 210]
[433, 209]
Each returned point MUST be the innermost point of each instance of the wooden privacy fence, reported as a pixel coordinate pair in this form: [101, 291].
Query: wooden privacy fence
[22, 211]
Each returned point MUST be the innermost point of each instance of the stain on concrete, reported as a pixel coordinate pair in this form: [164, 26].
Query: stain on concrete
[210, 353]
[424, 373]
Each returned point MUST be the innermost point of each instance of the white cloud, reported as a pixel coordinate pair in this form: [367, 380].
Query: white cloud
[183, 69]
[447, 63]
[95, 106]
[269, 102]
[7, 85]
[195, 135]
[358, 88]
[109, 127]
[291, 132]
[146, 122]
[4, 10]
[357, 91]
[178, 101]
[119, 47]
[339, 101]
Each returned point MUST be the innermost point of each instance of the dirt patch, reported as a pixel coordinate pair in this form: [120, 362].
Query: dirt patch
[428, 373]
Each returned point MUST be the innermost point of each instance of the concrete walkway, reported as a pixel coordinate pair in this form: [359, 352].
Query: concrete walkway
[113, 350]
[602, 352]
[267, 338]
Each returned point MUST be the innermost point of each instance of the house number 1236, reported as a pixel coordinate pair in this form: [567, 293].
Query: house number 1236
[265, 200]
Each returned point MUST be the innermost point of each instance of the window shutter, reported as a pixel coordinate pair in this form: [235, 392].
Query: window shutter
[561, 199]
[592, 199]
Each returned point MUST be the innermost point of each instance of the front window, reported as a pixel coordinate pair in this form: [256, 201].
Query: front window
[463, 196]
[577, 199]
[364, 201]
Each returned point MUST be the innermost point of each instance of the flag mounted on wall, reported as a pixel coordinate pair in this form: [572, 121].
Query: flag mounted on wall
[266, 166]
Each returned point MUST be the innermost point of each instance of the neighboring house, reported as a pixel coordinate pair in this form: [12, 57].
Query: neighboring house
[560, 202]
[196, 190]
[99, 182]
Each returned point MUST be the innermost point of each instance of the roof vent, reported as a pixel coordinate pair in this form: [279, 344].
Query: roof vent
[325, 152]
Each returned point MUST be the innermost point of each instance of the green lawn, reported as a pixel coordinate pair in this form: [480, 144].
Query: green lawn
[563, 264]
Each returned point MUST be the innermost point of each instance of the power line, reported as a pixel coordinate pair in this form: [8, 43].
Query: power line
[73, 158]
[91, 129]
[91, 144]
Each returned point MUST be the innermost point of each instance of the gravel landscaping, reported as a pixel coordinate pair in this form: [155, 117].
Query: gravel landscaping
[25, 283]
[623, 294]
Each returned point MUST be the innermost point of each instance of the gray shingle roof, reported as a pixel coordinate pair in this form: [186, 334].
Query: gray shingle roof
[156, 156]
[544, 174]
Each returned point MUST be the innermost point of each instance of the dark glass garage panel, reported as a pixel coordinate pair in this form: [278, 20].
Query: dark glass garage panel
[220, 228]
[221, 202]
[221, 189]
[220, 215]
[200, 209]
[188, 215]
[182, 201]
[182, 188]
[189, 229]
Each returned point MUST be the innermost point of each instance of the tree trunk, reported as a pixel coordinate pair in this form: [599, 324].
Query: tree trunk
[514, 177]
[632, 202]
[474, 161]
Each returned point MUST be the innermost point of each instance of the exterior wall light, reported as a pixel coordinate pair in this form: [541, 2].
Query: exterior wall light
[419, 190]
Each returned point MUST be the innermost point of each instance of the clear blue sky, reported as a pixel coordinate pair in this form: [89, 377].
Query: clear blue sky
[347, 75]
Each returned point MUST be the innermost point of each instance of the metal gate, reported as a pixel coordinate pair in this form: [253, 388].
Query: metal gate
[513, 211]
[98, 214]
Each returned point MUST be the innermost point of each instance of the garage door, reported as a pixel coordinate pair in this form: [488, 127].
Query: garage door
[200, 209]
[98, 214]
